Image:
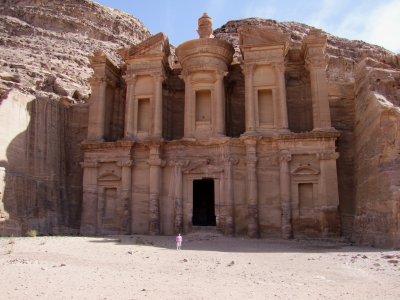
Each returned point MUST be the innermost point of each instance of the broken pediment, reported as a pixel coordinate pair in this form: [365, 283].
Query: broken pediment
[156, 45]
[305, 170]
[254, 36]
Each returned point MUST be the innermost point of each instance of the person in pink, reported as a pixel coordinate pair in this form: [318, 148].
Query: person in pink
[178, 241]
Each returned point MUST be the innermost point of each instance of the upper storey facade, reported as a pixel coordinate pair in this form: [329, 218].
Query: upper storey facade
[203, 95]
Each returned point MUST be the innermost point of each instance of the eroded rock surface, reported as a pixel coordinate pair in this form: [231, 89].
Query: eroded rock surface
[44, 72]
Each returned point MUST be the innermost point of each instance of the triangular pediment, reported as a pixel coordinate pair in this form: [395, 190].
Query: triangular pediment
[305, 170]
[109, 177]
[156, 45]
[270, 36]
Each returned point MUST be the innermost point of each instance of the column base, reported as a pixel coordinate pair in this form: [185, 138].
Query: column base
[188, 139]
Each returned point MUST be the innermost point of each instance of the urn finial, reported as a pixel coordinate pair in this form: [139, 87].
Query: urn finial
[205, 29]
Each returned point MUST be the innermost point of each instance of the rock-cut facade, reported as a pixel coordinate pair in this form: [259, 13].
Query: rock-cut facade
[200, 138]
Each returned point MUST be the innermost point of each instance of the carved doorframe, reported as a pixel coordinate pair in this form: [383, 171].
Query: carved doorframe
[210, 172]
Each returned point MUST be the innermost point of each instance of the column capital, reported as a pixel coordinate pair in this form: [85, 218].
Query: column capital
[156, 162]
[158, 76]
[130, 78]
[98, 80]
[125, 163]
[185, 74]
[230, 160]
[285, 156]
[316, 62]
[279, 66]
[220, 74]
[247, 69]
[178, 163]
[90, 164]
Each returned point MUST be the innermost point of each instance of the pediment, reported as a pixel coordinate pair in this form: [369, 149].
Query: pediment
[254, 36]
[156, 45]
[109, 177]
[305, 170]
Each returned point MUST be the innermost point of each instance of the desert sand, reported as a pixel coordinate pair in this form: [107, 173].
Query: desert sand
[209, 266]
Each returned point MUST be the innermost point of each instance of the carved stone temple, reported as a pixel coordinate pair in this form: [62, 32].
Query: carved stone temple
[201, 136]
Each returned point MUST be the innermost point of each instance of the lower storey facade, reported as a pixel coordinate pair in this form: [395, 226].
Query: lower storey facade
[281, 186]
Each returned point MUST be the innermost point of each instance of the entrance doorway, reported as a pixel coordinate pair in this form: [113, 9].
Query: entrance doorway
[203, 203]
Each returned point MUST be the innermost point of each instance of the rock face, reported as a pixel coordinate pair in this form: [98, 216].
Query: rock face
[44, 87]
[44, 71]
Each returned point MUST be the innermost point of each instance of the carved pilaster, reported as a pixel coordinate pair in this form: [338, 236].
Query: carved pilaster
[220, 104]
[282, 105]
[90, 198]
[129, 106]
[126, 191]
[178, 197]
[97, 107]
[228, 205]
[157, 117]
[247, 70]
[188, 117]
[252, 188]
[156, 163]
[316, 62]
[328, 193]
[286, 221]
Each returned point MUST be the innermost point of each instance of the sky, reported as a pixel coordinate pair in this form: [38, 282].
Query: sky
[373, 21]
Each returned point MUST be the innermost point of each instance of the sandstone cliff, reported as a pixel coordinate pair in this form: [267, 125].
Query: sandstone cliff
[44, 72]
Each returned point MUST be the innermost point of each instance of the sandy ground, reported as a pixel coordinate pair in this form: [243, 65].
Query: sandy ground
[208, 267]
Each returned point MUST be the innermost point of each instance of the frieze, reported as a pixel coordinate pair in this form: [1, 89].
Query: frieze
[327, 155]
[89, 164]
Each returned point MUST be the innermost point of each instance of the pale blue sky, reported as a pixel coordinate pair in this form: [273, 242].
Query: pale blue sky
[374, 21]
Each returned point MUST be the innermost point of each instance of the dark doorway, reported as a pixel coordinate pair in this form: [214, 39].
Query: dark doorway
[203, 203]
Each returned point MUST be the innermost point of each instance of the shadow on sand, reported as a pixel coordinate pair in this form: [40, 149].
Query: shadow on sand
[218, 243]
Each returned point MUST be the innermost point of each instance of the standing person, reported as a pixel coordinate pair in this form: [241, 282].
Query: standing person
[178, 241]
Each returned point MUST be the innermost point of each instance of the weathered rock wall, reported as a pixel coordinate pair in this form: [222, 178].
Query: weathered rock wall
[44, 73]
[377, 163]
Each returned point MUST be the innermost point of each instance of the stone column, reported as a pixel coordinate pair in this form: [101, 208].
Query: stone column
[229, 211]
[188, 118]
[284, 176]
[219, 129]
[129, 106]
[328, 192]
[97, 109]
[252, 188]
[156, 165]
[126, 191]
[158, 106]
[283, 115]
[178, 198]
[90, 198]
[249, 98]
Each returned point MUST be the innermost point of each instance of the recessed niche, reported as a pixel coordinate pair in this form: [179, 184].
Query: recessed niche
[144, 114]
[306, 201]
[203, 106]
[265, 107]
